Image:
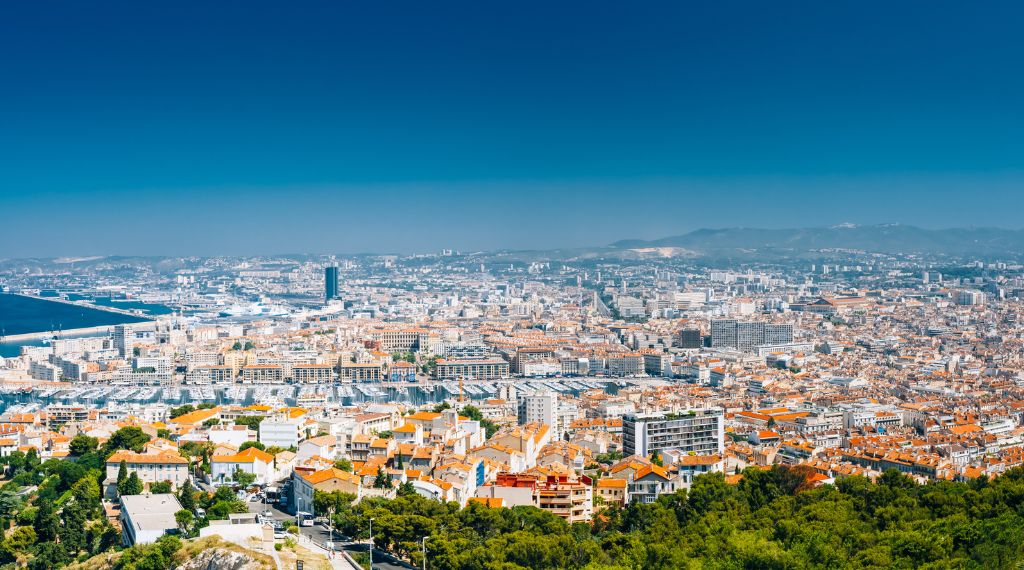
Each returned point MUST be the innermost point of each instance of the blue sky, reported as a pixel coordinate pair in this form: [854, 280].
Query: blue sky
[268, 127]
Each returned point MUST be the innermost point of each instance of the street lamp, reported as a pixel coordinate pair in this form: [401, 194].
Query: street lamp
[424, 541]
[371, 543]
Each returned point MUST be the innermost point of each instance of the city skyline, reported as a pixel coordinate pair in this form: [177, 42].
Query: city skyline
[354, 129]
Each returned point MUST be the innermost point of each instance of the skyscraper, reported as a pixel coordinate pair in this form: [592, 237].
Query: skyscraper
[330, 283]
[124, 340]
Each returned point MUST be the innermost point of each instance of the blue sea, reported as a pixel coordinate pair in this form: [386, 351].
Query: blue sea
[20, 315]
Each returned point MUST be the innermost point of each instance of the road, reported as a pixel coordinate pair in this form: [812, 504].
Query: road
[320, 535]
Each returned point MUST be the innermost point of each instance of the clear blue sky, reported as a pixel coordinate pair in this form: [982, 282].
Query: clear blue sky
[265, 127]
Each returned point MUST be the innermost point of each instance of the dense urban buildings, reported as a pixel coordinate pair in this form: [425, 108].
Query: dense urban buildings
[569, 386]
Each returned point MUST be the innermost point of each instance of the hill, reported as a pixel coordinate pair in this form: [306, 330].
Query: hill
[886, 238]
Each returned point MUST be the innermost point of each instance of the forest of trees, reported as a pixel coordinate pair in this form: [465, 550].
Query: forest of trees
[51, 512]
[769, 520]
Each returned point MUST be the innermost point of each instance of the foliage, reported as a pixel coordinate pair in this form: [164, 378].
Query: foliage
[344, 464]
[243, 478]
[442, 407]
[382, 481]
[131, 486]
[130, 437]
[82, 444]
[247, 444]
[252, 422]
[182, 410]
[473, 413]
[160, 487]
[771, 519]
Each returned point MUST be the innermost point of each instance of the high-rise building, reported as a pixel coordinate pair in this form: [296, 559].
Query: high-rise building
[330, 282]
[698, 431]
[969, 297]
[124, 340]
[690, 338]
[748, 335]
[539, 408]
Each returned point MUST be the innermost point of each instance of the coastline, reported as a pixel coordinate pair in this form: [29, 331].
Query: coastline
[13, 338]
[147, 323]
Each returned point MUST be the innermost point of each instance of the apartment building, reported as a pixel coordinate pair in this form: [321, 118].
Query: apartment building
[151, 467]
[477, 369]
[699, 431]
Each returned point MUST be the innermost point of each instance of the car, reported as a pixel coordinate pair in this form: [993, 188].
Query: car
[280, 534]
[254, 499]
[268, 513]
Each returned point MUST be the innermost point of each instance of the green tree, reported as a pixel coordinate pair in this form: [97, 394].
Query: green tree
[82, 444]
[243, 478]
[122, 474]
[132, 485]
[184, 519]
[252, 422]
[160, 487]
[46, 523]
[248, 444]
[382, 481]
[182, 410]
[344, 464]
[130, 437]
[187, 496]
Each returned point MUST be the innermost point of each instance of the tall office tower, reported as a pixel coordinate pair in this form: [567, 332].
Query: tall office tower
[748, 335]
[124, 340]
[699, 431]
[330, 283]
[539, 408]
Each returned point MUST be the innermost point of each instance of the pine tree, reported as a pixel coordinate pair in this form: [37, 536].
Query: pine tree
[187, 497]
[46, 522]
[132, 486]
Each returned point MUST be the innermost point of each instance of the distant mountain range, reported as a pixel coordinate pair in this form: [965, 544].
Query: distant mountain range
[887, 238]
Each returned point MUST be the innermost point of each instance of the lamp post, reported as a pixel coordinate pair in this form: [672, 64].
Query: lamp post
[424, 541]
[371, 543]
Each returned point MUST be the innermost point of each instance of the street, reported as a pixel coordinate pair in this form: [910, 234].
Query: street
[318, 534]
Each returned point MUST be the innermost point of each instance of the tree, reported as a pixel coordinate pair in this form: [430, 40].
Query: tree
[442, 407]
[343, 464]
[182, 410]
[187, 496]
[163, 433]
[237, 345]
[243, 478]
[86, 493]
[160, 487]
[211, 422]
[46, 523]
[132, 485]
[382, 481]
[82, 444]
[21, 539]
[253, 422]
[248, 444]
[122, 474]
[656, 459]
[130, 437]
[184, 518]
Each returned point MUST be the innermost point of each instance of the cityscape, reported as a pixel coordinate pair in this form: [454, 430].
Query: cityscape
[467, 287]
